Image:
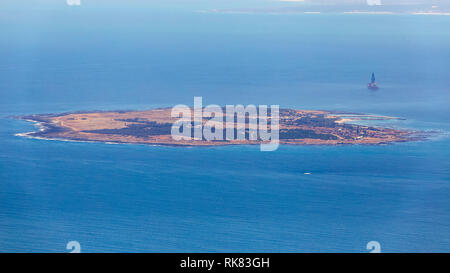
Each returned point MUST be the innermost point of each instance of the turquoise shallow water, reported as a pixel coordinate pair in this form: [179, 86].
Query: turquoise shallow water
[167, 199]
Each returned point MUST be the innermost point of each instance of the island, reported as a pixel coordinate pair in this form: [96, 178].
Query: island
[296, 127]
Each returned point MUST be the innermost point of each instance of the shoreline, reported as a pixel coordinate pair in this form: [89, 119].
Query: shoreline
[25, 135]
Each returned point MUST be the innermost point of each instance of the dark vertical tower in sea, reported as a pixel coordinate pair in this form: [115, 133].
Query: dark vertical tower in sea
[373, 83]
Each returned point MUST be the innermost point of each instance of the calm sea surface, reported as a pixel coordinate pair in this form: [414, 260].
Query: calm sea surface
[166, 199]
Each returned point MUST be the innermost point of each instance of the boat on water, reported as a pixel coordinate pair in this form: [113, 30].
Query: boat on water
[373, 85]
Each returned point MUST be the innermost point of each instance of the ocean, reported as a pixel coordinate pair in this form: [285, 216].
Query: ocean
[139, 198]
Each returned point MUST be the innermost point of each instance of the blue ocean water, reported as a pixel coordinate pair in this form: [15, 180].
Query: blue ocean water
[137, 198]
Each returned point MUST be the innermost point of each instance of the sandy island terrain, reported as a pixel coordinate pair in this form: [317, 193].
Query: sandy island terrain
[297, 127]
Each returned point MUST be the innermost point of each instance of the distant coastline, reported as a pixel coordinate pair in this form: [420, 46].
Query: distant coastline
[324, 10]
